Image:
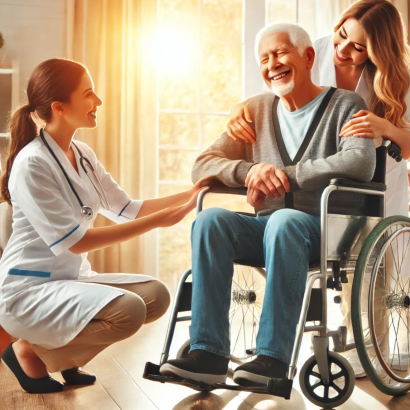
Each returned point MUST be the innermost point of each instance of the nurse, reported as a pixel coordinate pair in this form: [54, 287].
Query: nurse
[62, 312]
[368, 53]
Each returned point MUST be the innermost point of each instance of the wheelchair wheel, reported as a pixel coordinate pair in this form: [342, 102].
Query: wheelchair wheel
[248, 290]
[336, 391]
[381, 305]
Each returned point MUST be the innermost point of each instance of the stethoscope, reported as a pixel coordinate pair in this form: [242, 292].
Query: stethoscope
[86, 211]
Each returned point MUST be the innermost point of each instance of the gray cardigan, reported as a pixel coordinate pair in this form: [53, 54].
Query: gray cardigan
[327, 156]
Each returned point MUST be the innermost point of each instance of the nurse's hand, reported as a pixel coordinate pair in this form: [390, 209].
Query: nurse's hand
[198, 184]
[175, 214]
[365, 124]
[238, 127]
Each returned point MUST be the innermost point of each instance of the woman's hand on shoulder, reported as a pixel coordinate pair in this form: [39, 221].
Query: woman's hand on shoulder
[238, 127]
[365, 124]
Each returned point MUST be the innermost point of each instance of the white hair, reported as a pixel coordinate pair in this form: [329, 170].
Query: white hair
[297, 36]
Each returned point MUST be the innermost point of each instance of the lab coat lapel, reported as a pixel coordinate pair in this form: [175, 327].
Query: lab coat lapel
[69, 169]
[327, 71]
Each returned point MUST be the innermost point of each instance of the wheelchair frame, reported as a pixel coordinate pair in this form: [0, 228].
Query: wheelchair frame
[309, 311]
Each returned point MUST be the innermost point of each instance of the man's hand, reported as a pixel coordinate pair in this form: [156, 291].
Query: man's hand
[255, 198]
[267, 179]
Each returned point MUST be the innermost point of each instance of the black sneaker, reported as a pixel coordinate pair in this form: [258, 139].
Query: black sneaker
[200, 365]
[259, 371]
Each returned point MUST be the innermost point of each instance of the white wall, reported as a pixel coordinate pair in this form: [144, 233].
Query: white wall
[33, 31]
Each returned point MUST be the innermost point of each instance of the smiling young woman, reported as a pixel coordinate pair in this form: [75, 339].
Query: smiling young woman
[386, 58]
[62, 312]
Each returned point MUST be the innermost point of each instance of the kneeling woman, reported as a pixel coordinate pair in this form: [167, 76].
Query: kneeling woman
[63, 313]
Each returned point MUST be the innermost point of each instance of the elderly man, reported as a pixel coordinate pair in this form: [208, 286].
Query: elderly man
[297, 152]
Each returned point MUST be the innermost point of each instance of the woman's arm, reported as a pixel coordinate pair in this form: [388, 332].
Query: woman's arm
[98, 238]
[151, 206]
[238, 127]
[368, 125]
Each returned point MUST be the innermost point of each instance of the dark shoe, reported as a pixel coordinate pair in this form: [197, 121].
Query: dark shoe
[259, 371]
[200, 365]
[78, 376]
[42, 385]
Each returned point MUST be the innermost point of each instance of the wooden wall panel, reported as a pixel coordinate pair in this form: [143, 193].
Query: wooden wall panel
[33, 30]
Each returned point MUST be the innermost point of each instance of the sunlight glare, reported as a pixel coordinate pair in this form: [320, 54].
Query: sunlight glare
[174, 52]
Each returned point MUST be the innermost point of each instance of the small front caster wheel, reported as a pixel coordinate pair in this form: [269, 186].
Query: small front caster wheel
[339, 387]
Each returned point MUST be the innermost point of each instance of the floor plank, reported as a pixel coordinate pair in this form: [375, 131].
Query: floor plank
[118, 383]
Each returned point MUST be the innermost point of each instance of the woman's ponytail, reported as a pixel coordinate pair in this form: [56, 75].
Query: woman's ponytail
[52, 80]
[23, 130]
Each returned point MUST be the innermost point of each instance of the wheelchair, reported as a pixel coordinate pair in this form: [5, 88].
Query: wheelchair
[371, 251]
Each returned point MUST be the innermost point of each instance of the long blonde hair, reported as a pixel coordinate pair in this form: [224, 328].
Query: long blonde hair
[388, 66]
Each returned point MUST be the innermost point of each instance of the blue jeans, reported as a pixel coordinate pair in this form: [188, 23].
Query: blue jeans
[285, 242]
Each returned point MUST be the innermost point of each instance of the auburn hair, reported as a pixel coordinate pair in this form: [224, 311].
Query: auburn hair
[52, 80]
[387, 67]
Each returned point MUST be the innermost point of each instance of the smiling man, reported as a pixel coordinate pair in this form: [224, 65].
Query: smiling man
[296, 153]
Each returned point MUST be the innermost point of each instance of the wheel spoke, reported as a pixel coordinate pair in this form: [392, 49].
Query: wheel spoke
[336, 387]
[316, 375]
[316, 385]
[235, 283]
[237, 337]
[337, 375]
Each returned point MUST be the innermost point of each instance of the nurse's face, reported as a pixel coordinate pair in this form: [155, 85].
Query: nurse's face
[81, 111]
[350, 44]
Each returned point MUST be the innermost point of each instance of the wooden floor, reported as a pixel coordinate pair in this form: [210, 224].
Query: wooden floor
[120, 385]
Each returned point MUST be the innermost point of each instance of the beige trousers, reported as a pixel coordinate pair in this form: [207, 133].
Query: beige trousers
[141, 303]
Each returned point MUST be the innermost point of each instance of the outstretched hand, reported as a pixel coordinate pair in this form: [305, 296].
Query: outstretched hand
[175, 214]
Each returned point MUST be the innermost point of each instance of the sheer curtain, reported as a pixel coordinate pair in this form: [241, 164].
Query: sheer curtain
[114, 39]
[327, 14]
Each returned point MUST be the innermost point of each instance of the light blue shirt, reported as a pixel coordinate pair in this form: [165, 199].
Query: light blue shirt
[294, 125]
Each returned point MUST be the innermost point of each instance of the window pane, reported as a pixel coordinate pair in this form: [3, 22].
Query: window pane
[175, 243]
[222, 76]
[179, 130]
[222, 20]
[177, 53]
[176, 165]
[213, 127]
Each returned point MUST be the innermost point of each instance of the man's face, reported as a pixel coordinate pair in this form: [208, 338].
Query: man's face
[281, 65]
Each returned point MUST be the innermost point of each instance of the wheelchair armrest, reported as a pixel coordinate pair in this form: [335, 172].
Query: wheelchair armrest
[217, 187]
[352, 183]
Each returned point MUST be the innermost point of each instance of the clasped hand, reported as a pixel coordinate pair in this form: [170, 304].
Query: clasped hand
[265, 180]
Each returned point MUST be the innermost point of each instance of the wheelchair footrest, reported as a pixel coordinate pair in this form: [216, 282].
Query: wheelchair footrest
[275, 387]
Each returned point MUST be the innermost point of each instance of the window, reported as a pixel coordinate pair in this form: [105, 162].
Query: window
[199, 60]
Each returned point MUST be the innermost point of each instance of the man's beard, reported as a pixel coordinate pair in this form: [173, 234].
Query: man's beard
[282, 89]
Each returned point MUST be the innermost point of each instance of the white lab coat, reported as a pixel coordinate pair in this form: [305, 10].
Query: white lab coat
[47, 293]
[324, 74]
